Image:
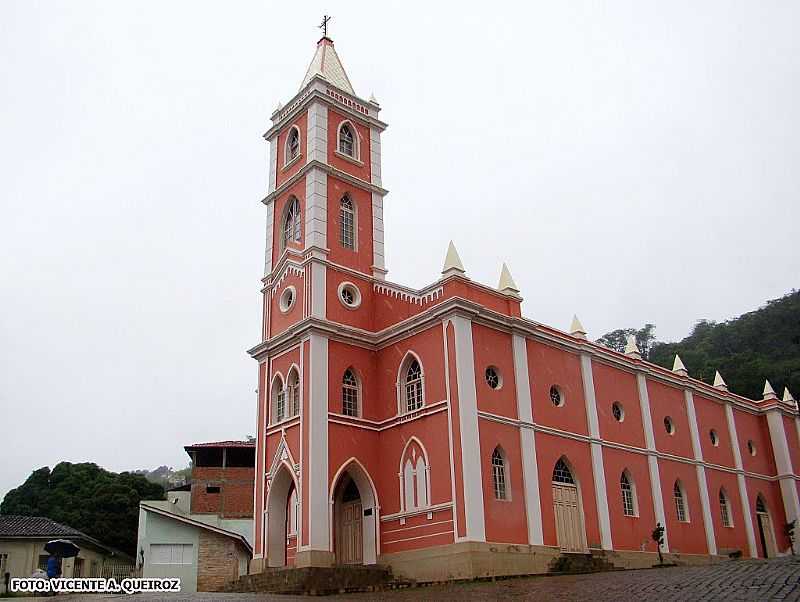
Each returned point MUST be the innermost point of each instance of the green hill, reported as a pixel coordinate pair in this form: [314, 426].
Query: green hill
[761, 344]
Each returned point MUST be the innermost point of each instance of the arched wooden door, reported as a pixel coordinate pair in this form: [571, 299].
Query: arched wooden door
[350, 538]
[765, 531]
[567, 510]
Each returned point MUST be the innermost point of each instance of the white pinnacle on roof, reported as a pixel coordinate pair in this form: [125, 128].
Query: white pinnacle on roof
[326, 64]
[576, 329]
[787, 396]
[507, 284]
[769, 392]
[719, 383]
[678, 367]
[631, 350]
[452, 262]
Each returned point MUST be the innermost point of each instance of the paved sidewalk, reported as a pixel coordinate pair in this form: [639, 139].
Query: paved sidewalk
[777, 579]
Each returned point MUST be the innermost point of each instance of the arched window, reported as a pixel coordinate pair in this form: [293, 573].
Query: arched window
[680, 503]
[347, 140]
[412, 386]
[292, 145]
[349, 393]
[291, 223]
[293, 393]
[414, 477]
[562, 473]
[499, 475]
[347, 230]
[278, 400]
[724, 509]
[628, 495]
[760, 505]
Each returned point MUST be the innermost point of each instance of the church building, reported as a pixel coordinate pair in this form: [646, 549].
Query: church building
[440, 432]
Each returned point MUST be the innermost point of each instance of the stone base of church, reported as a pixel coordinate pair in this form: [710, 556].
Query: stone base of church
[314, 558]
[473, 560]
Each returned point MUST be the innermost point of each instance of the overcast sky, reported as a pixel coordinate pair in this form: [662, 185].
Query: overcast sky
[632, 162]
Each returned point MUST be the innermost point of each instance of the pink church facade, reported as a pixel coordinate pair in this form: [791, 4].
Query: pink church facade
[440, 432]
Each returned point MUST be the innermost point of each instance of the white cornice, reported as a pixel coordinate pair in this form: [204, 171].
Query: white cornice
[330, 170]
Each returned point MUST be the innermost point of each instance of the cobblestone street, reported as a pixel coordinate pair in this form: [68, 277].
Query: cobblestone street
[777, 579]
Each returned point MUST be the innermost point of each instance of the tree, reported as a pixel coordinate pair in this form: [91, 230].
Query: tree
[617, 339]
[102, 504]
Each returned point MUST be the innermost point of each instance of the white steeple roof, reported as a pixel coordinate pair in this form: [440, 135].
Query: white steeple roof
[507, 283]
[786, 395]
[719, 382]
[576, 328]
[678, 367]
[769, 392]
[631, 350]
[326, 63]
[452, 262]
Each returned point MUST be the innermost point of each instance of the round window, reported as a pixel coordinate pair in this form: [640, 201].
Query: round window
[349, 295]
[751, 447]
[287, 299]
[669, 426]
[712, 434]
[492, 377]
[556, 396]
[618, 411]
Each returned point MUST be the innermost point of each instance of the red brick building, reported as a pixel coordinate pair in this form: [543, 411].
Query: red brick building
[222, 478]
[439, 431]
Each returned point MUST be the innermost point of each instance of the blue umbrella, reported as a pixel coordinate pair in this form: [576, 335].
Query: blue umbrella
[62, 547]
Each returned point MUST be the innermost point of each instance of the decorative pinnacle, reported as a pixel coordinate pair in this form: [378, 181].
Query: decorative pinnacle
[719, 383]
[769, 392]
[787, 397]
[507, 284]
[631, 350]
[452, 262]
[678, 367]
[576, 329]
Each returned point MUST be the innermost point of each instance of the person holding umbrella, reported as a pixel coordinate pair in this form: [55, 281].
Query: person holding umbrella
[59, 548]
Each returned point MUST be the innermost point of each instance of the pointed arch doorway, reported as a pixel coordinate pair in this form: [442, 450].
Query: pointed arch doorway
[354, 516]
[766, 533]
[567, 510]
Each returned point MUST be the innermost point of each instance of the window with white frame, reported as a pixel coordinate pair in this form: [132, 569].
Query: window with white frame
[412, 386]
[291, 222]
[415, 481]
[347, 223]
[293, 393]
[292, 145]
[724, 509]
[628, 496]
[680, 503]
[499, 476]
[349, 393]
[278, 400]
[171, 553]
[347, 140]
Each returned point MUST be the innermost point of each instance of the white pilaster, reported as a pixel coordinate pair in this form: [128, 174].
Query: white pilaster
[598, 470]
[744, 499]
[378, 253]
[270, 238]
[317, 134]
[702, 484]
[471, 461]
[318, 296]
[273, 163]
[317, 463]
[316, 221]
[530, 468]
[375, 155]
[783, 464]
[652, 460]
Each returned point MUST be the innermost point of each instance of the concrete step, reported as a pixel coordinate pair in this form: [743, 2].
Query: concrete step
[318, 580]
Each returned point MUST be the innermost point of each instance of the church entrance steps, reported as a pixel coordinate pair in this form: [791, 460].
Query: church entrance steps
[574, 563]
[319, 581]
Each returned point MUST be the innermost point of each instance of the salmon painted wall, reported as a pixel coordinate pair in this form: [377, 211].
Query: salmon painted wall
[790, 428]
[505, 520]
[280, 320]
[549, 449]
[298, 191]
[669, 401]
[549, 366]
[342, 356]
[771, 493]
[733, 537]
[361, 257]
[360, 317]
[755, 428]
[359, 168]
[284, 172]
[613, 385]
[489, 299]
[418, 532]
[428, 346]
[494, 348]
[685, 537]
[629, 532]
[711, 415]
[346, 442]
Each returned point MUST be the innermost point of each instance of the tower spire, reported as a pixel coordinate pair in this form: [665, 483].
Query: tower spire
[327, 65]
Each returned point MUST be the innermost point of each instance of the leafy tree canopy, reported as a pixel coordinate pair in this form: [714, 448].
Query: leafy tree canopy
[616, 339]
[102, 504]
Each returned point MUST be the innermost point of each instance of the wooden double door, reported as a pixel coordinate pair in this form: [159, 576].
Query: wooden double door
[569, 522]
[350, 544]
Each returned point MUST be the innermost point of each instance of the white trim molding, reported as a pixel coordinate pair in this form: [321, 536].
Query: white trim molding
[783, 464]
[317, 463]
[317, 136]
[702, 484]
[316, 210]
